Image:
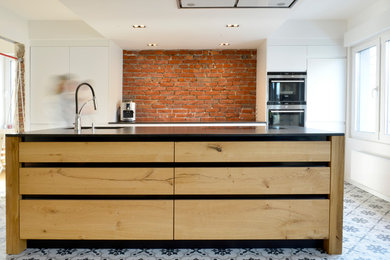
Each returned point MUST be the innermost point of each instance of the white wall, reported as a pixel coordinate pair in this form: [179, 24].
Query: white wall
[369, 22]
[12, 26]
[62, 30]
[367, 163]
[309, 32]
[15, 28]
[115, 80]
[261, 82]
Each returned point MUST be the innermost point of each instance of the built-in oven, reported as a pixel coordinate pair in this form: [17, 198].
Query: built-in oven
[286, 99]
[286, 88]
[286, 115]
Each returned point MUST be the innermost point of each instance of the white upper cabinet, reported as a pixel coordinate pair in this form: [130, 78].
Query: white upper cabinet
[47, 65]
[90, 64]
[52, 103]
[286, 58]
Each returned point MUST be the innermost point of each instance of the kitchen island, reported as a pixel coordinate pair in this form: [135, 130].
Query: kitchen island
[175, 184]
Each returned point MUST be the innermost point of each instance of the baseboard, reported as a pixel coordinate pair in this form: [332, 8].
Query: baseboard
[365, 188]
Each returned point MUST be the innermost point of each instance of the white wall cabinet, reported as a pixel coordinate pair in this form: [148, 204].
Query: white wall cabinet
[49, 107]
[286, 58]
[326, 94]
[326, 80]
[47, 63]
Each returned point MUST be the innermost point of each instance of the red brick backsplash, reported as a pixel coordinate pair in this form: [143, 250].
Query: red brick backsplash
[191, 85]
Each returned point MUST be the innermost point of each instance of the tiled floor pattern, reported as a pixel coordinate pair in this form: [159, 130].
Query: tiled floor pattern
[366, 236]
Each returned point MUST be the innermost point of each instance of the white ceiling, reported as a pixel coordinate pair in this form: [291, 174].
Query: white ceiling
[173, 28]
[39, 9]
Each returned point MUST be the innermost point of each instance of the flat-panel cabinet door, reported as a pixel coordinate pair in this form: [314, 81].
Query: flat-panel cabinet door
[251, 219]
[286, 58]
[96, 219]
[90, 64]
[48, 64]
[326, 92]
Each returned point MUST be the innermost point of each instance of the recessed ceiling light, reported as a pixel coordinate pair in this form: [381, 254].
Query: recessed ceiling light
[139, 26]
[224, 44]
[232, 25]
[281, 4]
[191, 4]
[152, 44]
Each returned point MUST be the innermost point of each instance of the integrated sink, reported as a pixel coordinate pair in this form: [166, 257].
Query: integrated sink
[108, 127]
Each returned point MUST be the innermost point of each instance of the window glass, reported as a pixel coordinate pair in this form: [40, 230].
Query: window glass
[366, 90]
[387, 88]
[7, 93]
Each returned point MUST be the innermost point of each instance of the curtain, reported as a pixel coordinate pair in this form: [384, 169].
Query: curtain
[20, 111]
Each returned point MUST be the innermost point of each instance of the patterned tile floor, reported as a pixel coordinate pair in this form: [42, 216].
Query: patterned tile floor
[366, 236]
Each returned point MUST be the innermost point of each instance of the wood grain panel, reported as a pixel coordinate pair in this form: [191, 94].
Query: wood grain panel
[273, 180]
[96, 219]
[251, 219]
[335, 243]
[96, 152]
[298, 151]
[14, 244]
[125, 181]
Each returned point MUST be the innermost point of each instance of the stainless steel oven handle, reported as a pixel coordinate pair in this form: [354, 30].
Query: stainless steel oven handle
[287, 81]
[287, 111]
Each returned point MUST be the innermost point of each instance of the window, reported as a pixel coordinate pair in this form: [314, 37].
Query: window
[365, 90]
[385, 90]
[7, 92]
[371, 90]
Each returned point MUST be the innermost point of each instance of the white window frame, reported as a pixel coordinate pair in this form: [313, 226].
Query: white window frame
[354, 132]
[385, 91]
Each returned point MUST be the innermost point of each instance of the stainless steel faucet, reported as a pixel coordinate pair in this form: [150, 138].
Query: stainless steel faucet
[77, 122]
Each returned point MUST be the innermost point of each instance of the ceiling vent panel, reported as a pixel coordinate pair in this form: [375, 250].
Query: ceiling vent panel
[189, 4]
[207, 3]
[265, 3]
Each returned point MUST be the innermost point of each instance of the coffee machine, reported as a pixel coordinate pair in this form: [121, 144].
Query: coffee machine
[127, 112]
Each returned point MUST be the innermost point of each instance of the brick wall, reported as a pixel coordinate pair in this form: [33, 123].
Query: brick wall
[191, 85]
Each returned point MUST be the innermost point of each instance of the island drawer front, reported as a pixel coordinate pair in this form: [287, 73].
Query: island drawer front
[96, 181]
[299, 151]
[251, 219]
[96, 151]
[252, 180]
[96, 219]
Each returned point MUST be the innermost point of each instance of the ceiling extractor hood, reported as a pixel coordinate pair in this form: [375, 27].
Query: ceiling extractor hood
[187, 4]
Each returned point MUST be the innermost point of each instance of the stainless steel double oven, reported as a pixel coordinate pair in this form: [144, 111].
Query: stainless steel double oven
[286, 95]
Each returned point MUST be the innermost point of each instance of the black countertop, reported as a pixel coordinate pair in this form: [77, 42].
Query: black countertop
[177, 133]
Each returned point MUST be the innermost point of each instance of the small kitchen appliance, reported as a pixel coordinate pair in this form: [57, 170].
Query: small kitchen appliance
[127, 111]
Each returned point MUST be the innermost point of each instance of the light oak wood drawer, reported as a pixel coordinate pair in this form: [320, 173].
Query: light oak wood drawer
[251, 219]
[96, 152]
[96, 219]
[125, 181]
[261, 180]
[299, 151]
